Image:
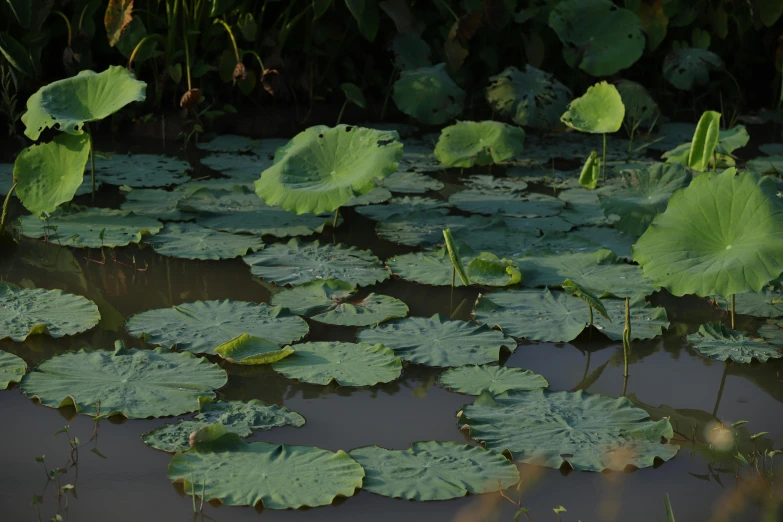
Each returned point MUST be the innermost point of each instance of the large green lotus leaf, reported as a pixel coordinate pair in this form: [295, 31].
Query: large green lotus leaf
[600, 272]
[424, 228]
[647, 322]
[428, 94]
[237, 166]
[29, 311]
[404, 205]
[532, 98]
[189, 241]
[588, 432]
[716, 341]
[141, 170]
[410, 183]
[722, 235]
[133, 383]
[277, 475]
[767, 303]
[227, 143]
[434, 470]
[156, 203]
[504, 203]
[437, 341]
[690, 67]
[202, 326]
[509, 236]
[640, 108]
[590, 31]
[347, 364]
[295, 263]
[89, 96]
[49, 174]
[84, 229]
[330, 302]
[374, 197]
[322, 168]
[237, 417]
[598, 111]
[469, 143]
[645, 195]
[12, 368]
[472, 380]
[534, 314]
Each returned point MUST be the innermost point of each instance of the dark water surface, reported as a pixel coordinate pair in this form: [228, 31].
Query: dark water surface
[127, 481]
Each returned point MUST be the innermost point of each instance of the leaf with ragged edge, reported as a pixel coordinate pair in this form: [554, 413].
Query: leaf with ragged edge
[587, 296]
[202, 326]
[119, 14]
[89, 96]
[347, 364]
[428, 94]
[12, 368]
[133, 383]
[434, 470]
[238, 417]
[716, 341]
[723, 235]
[591, 171]
[437, 341]
[647, 322]
[189, 241]
[600, 110]
[587, 432]
[249, 350]
[91, 228]
[473, 380]
[49, 174]
[456, 261]
[141, 170]
[704, 140]
[354, 94]
[689, 67]
[322, 168]
[30, 311]
[469, 143]
[277, 476]
[490, 270]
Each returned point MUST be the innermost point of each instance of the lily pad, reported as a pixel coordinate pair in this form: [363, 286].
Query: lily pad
[202, 326]
[472, 380]
[587, 432]
[410, 183]
[437, 341]
[428, 268]
[647, 322]
[501, 202]
[237, 166]
[403, 206]
[295, 263]
[227, 143]
[599, 111]
[347, 364]
[133, 383]
[141, 170]
[490, 270]
[469, 143]
[374, 197]
[767, 303]
[428, 94]
[532, 98]
[716, 341]
[689, 67]
[12, 368]
[189, 241]
[155, 203]
[583, 207]
[434, 471]
[424, 228]
[250, 350]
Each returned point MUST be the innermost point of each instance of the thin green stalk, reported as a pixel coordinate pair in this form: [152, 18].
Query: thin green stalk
[591, 314]
[732, 310]
[5, 205]
[92, 162]
[342, 109]
[603, 160]
[258, 58]
[187, 50]
[626, 338]
[67, 24]
[336, 217]
[141, 43]
[230, 35]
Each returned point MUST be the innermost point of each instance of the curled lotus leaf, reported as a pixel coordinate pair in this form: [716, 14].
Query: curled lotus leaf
[12, 368]
[716, 341]
[247, 349]
[469, 143]
[598, 111]
[428, 94]
[190, 241]
[473, 380]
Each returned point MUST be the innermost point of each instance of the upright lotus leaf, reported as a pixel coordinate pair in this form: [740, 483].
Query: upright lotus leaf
[690, 67]
[469, 143]
[587, 432]
[438, 341]
[729, 140]
[647, 322]
[428, 94]
[640, 108]
[489, 270]
[237, 417]
[473, 380]
[598, 111]
[434, 470]
[532, 98]
[716, 341]
[644, 195]
[322, 168]
[89, 96]
[590, 31]
[501, 202]
[456, 261]
[705, 139]
[30, 311]
[49, 174]
[295, 263]
[591, 171]
[119, 14]
[133, 383]
[425, 227]
[276, 475]
[767, 303]
[250, 350]
[354, 94]
[202, 326]
[91, 228]
[12, 368]
[540, 316]
[190, 241]
[141, 170]
[347, 364]
[723, 235]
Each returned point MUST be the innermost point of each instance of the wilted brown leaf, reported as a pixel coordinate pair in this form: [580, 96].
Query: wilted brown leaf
[119, 14]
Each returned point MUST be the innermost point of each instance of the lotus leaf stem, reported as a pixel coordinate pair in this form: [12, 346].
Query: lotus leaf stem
[336, 217]
[5, 204]
[591, 313]
[626, 339]
[257, 57]
[342, 109]
[720, 389]
[187, 50]
[140, 44]
[732, 310]
[92, 163]
[230, 35]
[67, 24]
[603, 160]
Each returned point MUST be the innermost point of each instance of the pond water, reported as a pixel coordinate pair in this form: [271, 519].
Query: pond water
[124, 480]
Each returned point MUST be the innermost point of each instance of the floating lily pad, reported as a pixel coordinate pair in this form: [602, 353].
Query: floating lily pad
[155, 203]
[347, 364]
[434, 471]
[410, 183]
[276, 475]
[587, 432]
[501, 202]
[250, 350]
[375, 196]
[490, 270]
[133, 383]
[647, 322]
[237, 166]
[84, 229]
[532, 98]
[472, 380]
[202, 326]
[227, 143]
[716, 341]
[437, 341]
[330, 302]
[428, 268]
[268, 147]
[767, 303]
[12, 368]
[295, 263]
[141, 170]
[428, 94]
[189, 241]
[238, 417]
[689, 67]
[424, 228]
[30, 311]
[583, 207]
[469, 143]
[772, 332]
[486, 182]
[403, 206]
[606, 237]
